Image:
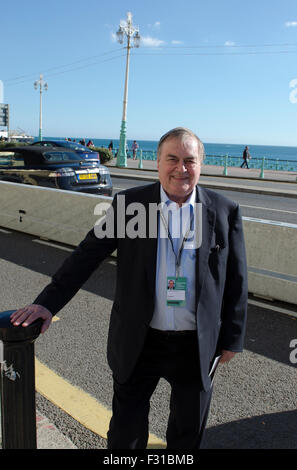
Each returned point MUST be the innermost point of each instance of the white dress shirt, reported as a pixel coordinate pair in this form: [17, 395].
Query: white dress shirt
[167, 317]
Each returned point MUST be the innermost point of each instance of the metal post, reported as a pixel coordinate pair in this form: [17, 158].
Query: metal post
[225, 172]
[140, 160]
[42, 86]
[262, 168]
[17, 383]
[122, 153]
[40, 110]
[129, 31]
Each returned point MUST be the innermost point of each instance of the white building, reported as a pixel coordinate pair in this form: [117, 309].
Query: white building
[3, 134]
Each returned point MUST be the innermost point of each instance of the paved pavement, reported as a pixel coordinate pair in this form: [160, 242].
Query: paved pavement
[49, 436]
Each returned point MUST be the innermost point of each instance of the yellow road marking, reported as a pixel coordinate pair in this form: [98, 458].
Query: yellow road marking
[55, 318]
[80, 405]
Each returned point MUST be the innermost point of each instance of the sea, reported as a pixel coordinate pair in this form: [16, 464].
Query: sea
[232, 150]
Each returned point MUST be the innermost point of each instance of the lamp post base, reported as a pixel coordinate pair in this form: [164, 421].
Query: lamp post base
[122, 154]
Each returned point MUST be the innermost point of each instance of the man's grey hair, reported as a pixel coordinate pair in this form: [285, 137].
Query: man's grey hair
[181, 133]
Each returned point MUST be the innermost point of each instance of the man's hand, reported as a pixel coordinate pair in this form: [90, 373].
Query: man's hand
[27, 315]
[226, 356]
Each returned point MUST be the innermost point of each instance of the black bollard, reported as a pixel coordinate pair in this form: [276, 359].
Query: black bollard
[17, 383]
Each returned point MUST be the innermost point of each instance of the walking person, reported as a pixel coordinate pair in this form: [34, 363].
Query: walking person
[156, 332]
[135, 147]
[246, 156]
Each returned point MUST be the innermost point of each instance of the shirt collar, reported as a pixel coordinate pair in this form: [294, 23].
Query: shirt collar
[165, 199]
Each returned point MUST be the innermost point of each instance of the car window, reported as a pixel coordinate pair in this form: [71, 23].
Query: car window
[61, 156]
[11, 159]
[74, 146]
[46, 144]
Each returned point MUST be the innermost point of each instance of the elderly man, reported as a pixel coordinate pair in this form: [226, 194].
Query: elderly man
[155, 332]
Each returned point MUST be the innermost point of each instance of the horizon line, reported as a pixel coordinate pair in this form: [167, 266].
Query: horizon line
[157, 140]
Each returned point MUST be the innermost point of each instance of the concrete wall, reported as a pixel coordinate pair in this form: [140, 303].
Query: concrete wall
[272, 259]
[63, 216]
[66, 217]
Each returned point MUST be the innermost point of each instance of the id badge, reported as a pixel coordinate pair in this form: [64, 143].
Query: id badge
[176, 291]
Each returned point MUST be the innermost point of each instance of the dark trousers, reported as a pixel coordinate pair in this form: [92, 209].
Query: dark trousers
[244, 163]
[175, 358]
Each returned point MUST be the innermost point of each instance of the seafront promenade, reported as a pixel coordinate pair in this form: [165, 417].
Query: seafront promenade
[213, 170]
[269, 183]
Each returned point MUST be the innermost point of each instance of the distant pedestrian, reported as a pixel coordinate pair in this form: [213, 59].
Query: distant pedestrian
[110, 147]
[127, 150]
[82, 142]
[134, 149]
[246, 156]
[90, 143]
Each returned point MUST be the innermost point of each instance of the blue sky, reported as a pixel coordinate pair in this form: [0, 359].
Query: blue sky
[222, 68]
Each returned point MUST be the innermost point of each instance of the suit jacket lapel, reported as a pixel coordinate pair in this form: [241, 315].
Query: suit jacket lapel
[208, 223]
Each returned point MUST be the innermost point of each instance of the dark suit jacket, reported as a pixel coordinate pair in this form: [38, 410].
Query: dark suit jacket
[221, 282]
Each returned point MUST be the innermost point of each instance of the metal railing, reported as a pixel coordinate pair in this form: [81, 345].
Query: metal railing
[276, 164]
[227, 161]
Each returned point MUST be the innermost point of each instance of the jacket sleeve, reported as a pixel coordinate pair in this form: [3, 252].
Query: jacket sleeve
[234, 311]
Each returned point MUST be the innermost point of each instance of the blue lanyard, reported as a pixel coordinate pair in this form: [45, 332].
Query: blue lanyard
[177, 257]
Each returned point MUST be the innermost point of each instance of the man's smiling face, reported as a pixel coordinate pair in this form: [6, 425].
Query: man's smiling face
[179, 167]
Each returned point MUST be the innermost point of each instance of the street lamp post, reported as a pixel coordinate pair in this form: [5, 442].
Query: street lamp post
[130, 32]
[42, 86]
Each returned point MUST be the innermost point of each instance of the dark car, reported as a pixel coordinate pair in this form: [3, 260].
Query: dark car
[55, 168]
[84, 152]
